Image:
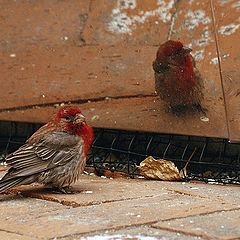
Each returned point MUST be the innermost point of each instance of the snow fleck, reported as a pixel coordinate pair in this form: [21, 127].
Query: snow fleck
[229, 29]
[204, 119]
[205, 38]
[195, 18]
[225, 56]
[87, 192]
[43, 96]
[121, 22]
[198, 55]
[12, 55]
[194, 188]
[214, 61]
[95, 117]
[65, 38]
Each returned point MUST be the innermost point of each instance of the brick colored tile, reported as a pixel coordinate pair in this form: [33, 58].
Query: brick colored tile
[144, 22]
[220, 225]
[227, 24]
[41, 23]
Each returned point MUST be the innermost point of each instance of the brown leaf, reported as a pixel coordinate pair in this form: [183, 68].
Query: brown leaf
[159, 169]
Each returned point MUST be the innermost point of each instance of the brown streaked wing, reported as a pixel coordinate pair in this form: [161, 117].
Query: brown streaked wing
[54, 149]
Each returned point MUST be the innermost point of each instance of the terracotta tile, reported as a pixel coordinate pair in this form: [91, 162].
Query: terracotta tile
[228, 33]
[45, 75]
[41, 23]
[139, 113]
[220, 225]
[128, 22]
[112, 204]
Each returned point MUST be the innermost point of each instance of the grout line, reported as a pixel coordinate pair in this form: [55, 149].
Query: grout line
[102, 231]
[219, 65]
[186, 233]
[202, 214]
[84, 204]
[77, 101]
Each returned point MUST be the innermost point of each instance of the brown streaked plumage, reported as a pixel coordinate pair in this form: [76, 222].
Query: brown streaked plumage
[54, 155]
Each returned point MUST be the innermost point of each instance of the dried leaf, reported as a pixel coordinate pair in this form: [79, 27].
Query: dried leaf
[159, 169]
[163, 169]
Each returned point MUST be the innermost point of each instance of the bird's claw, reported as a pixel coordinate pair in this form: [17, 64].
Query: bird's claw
[65, 190]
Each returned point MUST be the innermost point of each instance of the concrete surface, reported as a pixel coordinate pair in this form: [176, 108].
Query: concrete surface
[104, 208]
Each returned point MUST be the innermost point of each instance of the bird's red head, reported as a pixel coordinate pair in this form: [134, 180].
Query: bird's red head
[173, 57]
[169, 48]
[71, 119]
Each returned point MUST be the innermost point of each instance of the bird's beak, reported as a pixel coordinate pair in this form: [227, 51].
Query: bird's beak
[186, 50]
[79, 119]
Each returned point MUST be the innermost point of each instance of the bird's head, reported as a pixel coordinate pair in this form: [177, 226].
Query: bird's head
[70, 119]
[171, 52]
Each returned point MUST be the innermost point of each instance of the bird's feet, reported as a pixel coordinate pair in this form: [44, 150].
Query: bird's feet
[65, 190]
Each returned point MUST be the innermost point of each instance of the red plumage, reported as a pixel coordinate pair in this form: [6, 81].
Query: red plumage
[54, 155]
[177, 80]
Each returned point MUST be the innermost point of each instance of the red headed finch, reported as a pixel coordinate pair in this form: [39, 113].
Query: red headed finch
[54, 155]
[177, 80]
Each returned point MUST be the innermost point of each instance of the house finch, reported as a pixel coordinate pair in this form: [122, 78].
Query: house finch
[54, 155]
[177, 80]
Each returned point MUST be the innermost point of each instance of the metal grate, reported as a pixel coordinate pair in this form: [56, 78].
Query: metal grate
[215, 160]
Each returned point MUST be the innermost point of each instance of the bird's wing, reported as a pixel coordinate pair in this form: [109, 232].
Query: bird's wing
[52, 150]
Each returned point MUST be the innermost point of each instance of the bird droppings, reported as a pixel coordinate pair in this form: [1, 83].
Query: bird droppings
[12, 55]
[228, 29]
[195, 18]
[124, 22]
[214, 61]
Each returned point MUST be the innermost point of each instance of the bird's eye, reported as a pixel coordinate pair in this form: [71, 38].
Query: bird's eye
[69, 118]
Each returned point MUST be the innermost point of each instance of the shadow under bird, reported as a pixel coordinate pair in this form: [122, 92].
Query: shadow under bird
[55, 155]
[177, 80]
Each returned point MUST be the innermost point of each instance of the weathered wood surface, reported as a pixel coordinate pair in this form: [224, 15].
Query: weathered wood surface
[98, 54]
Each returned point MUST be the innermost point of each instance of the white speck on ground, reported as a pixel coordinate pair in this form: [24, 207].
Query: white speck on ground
[87, 192]
[121, 22]
[225, 56]
[214, 61]
[195, 18]
[229, 29]
[12, 55]
[205, 38]
[204, 119]
[198, 55]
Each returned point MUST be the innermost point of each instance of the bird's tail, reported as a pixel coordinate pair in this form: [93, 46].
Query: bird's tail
[9, 183]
